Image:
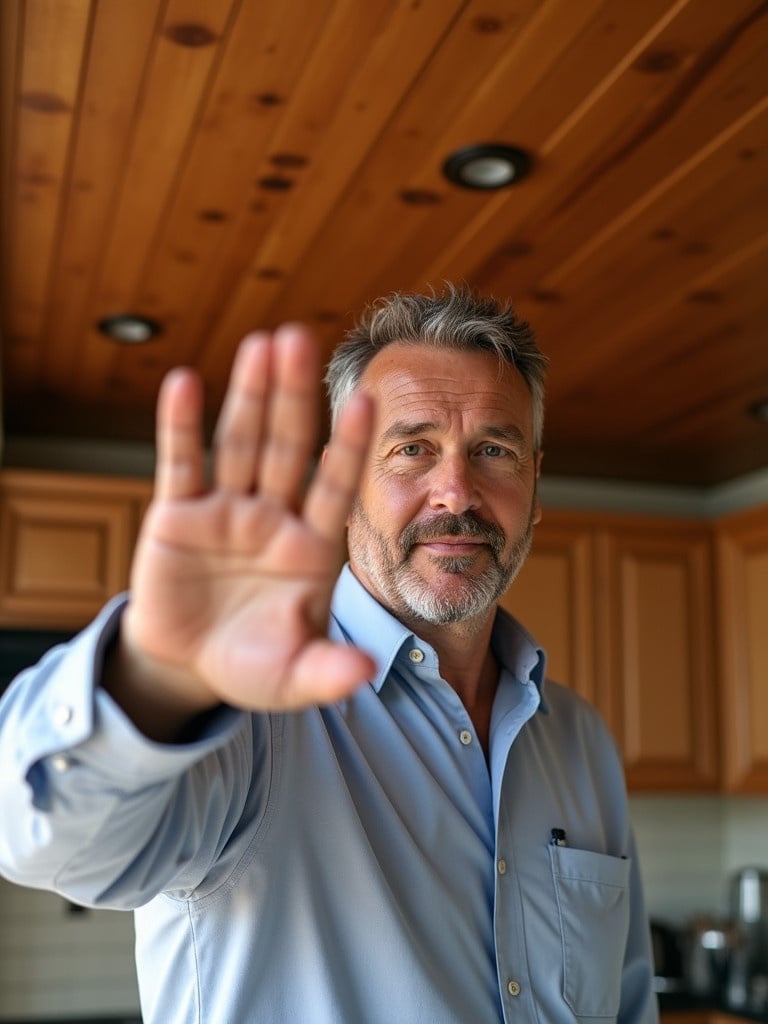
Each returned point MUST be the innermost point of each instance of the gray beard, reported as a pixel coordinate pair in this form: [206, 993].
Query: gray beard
[407, 593]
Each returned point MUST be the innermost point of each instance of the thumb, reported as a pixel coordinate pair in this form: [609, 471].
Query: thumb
[325, 672]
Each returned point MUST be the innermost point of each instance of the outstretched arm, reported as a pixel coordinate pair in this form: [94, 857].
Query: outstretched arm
[231, 585]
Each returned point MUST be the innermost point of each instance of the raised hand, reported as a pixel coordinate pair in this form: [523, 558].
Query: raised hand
[231, 586]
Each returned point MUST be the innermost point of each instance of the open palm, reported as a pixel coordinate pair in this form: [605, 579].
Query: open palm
[231, 586]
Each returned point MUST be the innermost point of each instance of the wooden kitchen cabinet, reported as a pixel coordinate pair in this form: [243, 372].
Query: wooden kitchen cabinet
[656, 651]
[625, 608]
[742, 553]
[660, 622]
[65, 545]
[554, 598]
[702, 1017]
[688, 1017]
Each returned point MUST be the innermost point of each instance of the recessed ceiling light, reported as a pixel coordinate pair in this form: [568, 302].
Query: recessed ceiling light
[487, 166]
[129, 328]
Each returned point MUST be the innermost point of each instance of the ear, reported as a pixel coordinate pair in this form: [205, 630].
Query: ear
[536, 504]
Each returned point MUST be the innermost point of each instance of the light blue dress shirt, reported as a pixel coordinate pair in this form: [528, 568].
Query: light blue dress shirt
[356, 864]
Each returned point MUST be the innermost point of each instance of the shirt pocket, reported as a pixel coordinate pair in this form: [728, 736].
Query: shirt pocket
[592, 896]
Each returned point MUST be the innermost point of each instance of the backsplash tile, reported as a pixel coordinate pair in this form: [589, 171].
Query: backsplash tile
[689, 846]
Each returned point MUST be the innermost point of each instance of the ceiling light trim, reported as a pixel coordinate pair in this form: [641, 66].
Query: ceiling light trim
[130, 328]
[487, 166]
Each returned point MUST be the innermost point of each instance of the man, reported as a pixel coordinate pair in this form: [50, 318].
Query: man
[391, 818]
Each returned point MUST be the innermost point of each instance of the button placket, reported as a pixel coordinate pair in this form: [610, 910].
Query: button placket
[63, 715]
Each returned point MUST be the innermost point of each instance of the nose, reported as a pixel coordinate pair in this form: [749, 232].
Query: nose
[453, 487]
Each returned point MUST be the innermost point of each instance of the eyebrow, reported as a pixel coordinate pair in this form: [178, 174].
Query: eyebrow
[403, 428]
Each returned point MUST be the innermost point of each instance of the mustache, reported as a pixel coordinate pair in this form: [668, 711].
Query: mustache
[468, 524]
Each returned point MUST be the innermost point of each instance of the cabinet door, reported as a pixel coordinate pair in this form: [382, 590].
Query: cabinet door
[553, 598]
[743, 616]
[65, 546]
[657, 653]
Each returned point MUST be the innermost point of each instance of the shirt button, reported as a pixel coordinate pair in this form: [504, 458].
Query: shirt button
[60, 763]
[466, 737]
[416, 655]
[63, 714]
[502, 866]
[513, 987]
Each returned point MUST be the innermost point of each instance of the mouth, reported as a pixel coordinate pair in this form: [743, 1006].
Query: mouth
[454, 546]
[453, 537]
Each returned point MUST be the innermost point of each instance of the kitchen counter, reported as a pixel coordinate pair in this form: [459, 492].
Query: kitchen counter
[672, 1002]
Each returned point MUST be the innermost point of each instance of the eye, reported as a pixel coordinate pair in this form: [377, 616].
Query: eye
[411, 449]
[494, 451]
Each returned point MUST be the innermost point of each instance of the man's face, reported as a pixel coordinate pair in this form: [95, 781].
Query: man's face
[447, 504]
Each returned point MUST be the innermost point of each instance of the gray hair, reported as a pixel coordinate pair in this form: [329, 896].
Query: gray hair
[455, 319]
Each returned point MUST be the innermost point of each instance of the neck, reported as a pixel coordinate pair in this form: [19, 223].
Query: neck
[467, 663]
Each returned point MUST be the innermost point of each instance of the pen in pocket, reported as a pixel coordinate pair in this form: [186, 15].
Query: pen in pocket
[559, 837]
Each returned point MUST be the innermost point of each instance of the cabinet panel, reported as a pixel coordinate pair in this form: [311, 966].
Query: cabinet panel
[743, 621]
[625, 608]
[65, 546]
[657, 663]
[553, 598]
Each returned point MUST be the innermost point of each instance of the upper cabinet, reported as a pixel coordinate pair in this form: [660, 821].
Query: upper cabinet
[742, 547]
[661, 623]
[656, 650]
[624, 607]
[554, 597]
[65, 545]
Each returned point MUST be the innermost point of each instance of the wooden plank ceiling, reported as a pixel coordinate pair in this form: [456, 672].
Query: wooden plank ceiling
[220, 165]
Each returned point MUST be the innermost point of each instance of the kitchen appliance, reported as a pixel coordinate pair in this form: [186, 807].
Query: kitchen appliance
[707, 951]
[748, 975]
[666, 942]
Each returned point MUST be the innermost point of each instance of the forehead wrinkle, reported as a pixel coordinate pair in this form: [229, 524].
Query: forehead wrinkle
[410, 402]
[437, 402]
[434, 387]
[495, 411]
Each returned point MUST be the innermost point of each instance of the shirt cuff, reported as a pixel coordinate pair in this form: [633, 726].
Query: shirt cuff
[66, 714]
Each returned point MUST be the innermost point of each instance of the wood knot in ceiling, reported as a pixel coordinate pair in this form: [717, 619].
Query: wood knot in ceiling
[190, 34]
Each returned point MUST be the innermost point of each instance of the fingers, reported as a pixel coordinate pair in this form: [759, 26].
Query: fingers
[179, 465]
[268, 424]
[266, 432]
[333, 489]
[291, 432]
[237, 440]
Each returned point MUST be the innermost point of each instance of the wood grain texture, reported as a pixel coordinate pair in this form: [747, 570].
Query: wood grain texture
[65, 545]
[220, 165]
[743, 642]
[656, 651]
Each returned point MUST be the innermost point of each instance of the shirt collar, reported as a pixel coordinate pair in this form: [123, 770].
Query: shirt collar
[517, 651]
[359, 619]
